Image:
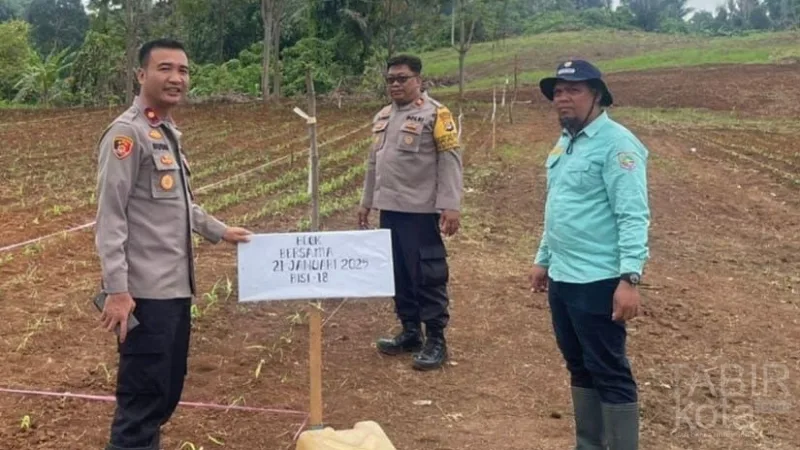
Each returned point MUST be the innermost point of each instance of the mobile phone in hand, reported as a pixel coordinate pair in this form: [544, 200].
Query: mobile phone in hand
[100, 303]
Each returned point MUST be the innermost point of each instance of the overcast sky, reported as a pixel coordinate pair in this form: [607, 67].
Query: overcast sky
[708, 5]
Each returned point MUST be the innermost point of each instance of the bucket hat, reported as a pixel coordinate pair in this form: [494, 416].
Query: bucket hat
[577, 70]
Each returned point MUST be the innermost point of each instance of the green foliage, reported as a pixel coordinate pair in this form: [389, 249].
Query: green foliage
[6, 13]
[236, 76]
[43, 79]
[319, 56]
[372, 79]
[346, 42]
[57, 24]
[592, 18]
[98, 74]
[231, 77]
[217, 30]
[15, 51]
[12, 9]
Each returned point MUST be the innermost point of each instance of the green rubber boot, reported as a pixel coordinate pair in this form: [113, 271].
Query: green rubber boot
[621, 424]
[588, 419]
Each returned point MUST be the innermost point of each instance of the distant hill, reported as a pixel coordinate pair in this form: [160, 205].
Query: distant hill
[490, 63]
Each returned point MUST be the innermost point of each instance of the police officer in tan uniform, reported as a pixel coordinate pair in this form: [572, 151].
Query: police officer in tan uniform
[145, 216]
[414, 178]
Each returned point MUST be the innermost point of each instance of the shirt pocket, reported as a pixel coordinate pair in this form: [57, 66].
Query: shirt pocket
[378, 135]
[583, 176]
[409, 138]
[550, 165]
[164, 179]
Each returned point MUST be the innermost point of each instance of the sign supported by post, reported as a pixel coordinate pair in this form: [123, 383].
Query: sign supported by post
[314, 265]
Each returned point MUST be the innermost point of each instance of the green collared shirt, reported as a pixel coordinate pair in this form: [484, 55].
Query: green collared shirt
[597, 215]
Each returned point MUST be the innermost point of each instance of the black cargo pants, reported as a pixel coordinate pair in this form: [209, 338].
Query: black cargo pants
[152, 368]
[420, 269]
[592, 344]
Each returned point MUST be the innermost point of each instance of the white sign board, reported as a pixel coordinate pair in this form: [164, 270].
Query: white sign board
[314, 265]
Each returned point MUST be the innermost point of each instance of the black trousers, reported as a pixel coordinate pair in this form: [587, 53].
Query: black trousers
[592, 344]
[420, 269]
[152, 369]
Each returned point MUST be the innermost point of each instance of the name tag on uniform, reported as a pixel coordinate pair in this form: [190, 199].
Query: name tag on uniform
[413, 127]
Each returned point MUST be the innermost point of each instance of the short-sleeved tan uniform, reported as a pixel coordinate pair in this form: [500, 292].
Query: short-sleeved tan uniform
[414, 172]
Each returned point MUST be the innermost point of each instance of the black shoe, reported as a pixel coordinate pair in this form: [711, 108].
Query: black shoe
[409, 340]
[433, 355]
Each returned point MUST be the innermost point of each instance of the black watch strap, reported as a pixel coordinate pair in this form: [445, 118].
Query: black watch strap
[632, 278]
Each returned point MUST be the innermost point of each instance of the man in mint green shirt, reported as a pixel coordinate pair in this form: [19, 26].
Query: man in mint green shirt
[592, 253]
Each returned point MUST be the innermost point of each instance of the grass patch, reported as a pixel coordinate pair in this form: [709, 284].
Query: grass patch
[605, 49]
[720, 53]
[510, 152]
[444, 61]
[688, 118]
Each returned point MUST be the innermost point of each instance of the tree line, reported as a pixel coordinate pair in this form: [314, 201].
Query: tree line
[69, 52]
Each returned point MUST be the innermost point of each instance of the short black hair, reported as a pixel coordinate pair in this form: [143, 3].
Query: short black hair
[413, 62]
[147, 47]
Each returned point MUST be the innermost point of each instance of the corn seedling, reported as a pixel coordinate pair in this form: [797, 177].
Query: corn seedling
[186, 445]
[57, 210]
[301, 197]
[32, 329]
[228, 199]
[228, 288]
[106, 371]
[297, 318]
[237, 400]
[25, 424]
[195, 311]
[5, 259]
[258, 369]
[33, 249]
[229, 161]
[215, 440]
[256, 347]
[211, 298]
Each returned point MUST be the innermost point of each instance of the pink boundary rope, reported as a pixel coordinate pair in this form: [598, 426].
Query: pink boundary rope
[108, 398]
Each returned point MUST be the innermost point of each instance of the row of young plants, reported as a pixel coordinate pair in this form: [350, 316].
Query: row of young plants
[287, 178]
[235, 159]
[752, 155]
[68, 199]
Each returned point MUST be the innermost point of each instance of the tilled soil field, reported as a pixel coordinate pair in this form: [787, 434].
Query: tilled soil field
[715, 352]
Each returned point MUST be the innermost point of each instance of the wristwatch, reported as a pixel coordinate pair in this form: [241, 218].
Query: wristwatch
[633, 278]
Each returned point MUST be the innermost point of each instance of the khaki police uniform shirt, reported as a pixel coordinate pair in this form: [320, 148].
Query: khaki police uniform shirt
[145, 209]
[415, 160]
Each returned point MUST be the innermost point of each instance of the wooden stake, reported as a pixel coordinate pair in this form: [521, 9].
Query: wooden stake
[315, 367]
[313, 155]
[460, 122]
[494, 118]
[315, 317]
[505, 88]
[514, 98]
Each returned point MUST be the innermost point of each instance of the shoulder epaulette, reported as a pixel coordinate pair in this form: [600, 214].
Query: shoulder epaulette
[385, 112]
[435, 102]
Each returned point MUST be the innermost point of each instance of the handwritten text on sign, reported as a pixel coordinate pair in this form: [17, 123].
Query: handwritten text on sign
[312, 265]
